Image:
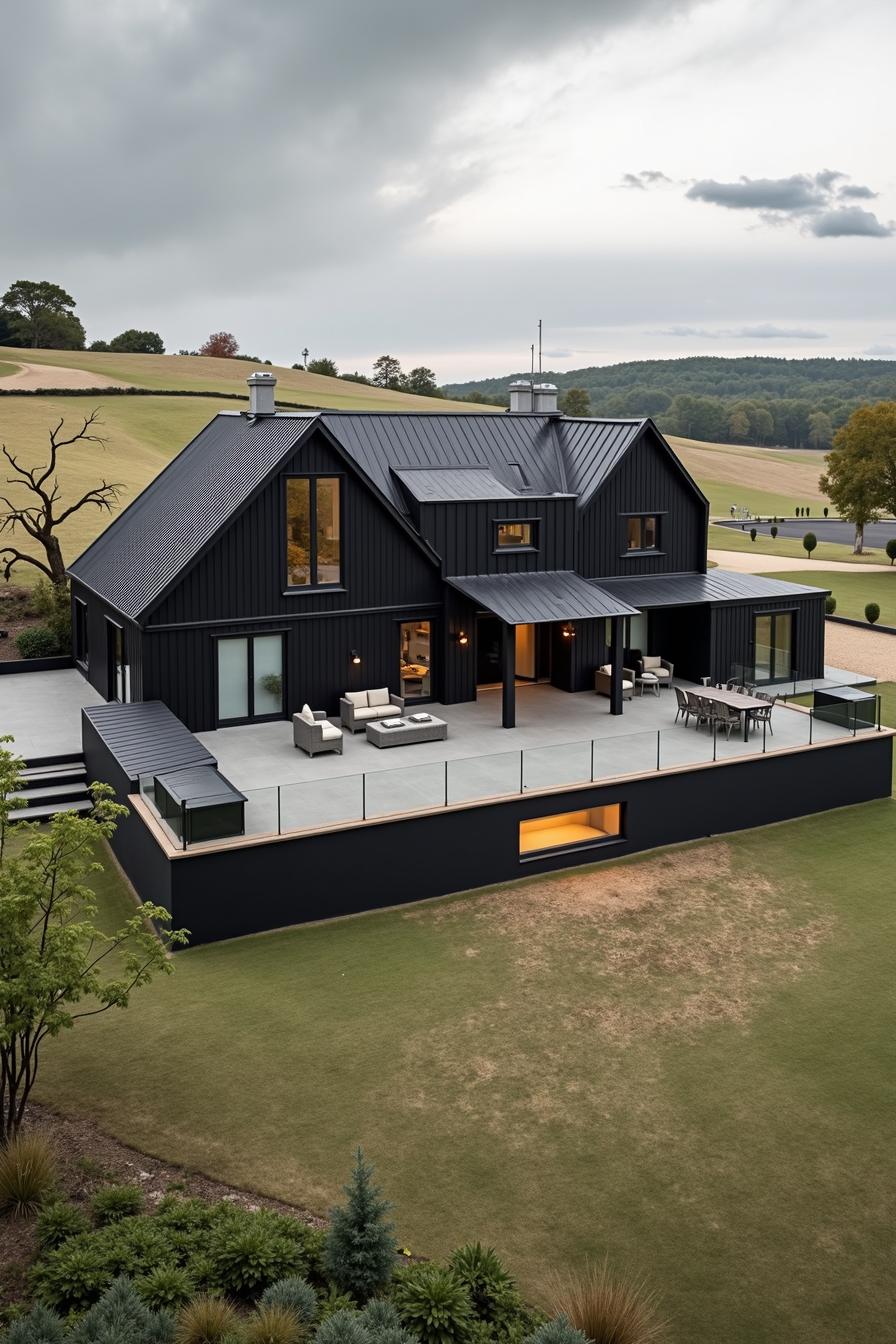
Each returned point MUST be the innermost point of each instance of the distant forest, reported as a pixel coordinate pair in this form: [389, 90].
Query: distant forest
[793, 403]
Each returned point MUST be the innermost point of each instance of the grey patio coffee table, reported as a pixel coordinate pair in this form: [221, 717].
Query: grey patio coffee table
[407, 734]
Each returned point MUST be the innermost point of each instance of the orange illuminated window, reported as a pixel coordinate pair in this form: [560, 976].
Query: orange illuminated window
[570, 830]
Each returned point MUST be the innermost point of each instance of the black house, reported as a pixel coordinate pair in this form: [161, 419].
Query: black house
[284, 558]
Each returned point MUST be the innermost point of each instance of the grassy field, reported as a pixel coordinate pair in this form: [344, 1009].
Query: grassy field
[852, 591]
[200, 373]
[765, 480]
[7, 369]
[684, 1061]
[732, 539]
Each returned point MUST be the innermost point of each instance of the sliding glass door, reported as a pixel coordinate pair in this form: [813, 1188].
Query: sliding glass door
[773, 646]
[250, 678]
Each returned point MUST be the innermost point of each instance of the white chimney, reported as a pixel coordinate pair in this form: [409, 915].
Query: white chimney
[545, 399]
[261, 393]
[521, 396]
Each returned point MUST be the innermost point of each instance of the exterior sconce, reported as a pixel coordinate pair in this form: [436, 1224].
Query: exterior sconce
[356, 658]
[568, 631]
[463, 639]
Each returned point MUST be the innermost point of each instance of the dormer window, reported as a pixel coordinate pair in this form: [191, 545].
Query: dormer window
[518, 535]
[642, 533]
[313, 531]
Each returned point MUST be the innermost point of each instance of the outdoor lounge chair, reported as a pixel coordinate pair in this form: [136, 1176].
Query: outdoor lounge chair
[603, 681]
[358, 708]
[661, 668]
[315, 734]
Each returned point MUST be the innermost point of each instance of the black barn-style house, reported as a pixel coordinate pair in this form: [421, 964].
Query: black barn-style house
[285, 558]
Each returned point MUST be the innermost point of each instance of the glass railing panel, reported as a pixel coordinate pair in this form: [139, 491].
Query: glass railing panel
[553, 767]
[321, 802]
[491, 776]
[624, 754]
[260, 811]
[394, 792]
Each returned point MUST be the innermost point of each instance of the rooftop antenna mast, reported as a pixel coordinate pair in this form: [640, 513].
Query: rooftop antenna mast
[539, 347]
[532, 363]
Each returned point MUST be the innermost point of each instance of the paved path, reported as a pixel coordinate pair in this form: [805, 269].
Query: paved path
[868, 651]
[32, 376]
[745, 563]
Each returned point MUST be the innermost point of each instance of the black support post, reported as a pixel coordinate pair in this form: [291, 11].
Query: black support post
[616, 628]
[508, 672]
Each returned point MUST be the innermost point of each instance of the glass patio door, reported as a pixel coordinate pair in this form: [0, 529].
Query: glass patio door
[773, 646]
[250, 678]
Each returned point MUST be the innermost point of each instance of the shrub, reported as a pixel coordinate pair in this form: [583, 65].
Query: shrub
[40, 1326]
[72, 1277]
[37, 641]
[27, 1174]
[165, 1286]
[53, 603]
[752, 534]
[494, 1296]
[247, 1256]
[380, 1314]
[607, 1308]
[810, 541]
[273, 1324]
[297, 1294]
[557, 1331]
[206, 1320]
[773, 532]
[825, 510]
[120, 1314]
[116, 1202]
[359, 1254]
[872, 612]
[890, 548]
[342, 1327]
[57, 1222]
[830, 604]
[335, 1302]
[433, 1304]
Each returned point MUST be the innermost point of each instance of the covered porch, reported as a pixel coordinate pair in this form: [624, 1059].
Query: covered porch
[560, 598]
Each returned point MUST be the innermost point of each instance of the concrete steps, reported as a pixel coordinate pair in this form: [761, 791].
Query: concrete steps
[53, 784]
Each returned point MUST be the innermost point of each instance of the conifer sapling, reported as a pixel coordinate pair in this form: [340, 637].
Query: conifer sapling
[359, 1254]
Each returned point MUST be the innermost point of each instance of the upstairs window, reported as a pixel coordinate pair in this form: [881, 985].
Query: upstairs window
[313, 531]
[642, 533]
[517, 536]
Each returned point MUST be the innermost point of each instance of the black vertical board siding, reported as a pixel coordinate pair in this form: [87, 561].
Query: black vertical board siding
[98, 612]
[645, 481]
[463, 535]
[733, 630]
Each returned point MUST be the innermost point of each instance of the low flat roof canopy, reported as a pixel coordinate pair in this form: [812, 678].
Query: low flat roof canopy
[715, 588]
[535, 599]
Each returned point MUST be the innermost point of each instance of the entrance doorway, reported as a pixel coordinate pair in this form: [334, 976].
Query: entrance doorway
[488, 650]
[415, 659]
[119, 672]
[250, 678]
[773, 646]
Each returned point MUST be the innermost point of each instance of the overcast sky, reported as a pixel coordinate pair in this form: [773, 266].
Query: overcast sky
[652, 178]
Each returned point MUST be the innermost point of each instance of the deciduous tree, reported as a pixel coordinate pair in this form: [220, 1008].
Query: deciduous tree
[323, 365]
[42, 515]
[422, 381]
[56, 964]
[221, 344]
[42, 315]
[821, 431]
[134, 342]
[860, 470]
[575, 402]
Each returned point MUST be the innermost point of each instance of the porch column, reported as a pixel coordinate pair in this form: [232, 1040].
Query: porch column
[616, 629]
[508, 673]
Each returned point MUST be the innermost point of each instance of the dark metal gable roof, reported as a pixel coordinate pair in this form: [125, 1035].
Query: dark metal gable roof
[592, 449]
[534, 599]
[151, 542]
[436, 485]
[716, 587]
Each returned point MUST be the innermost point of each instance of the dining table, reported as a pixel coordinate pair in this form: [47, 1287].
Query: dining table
[744, 704]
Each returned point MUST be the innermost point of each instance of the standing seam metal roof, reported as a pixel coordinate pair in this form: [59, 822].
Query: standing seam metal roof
[146, 738]
[534, 599]
[717, 586]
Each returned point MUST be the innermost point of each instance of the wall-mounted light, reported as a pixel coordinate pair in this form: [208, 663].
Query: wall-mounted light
[356, 658]
[568, 631]
[463, 639]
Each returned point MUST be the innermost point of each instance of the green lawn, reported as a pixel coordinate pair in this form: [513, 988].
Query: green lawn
[7, 369]
[853, 591]
[769, 503]
[732, 539]
[685, 1061]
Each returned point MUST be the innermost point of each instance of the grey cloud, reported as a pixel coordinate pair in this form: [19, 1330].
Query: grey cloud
[767, 331]
[880, 351]
[850, 222]
[790, 194]
[856, 193]
[687, 331]
[648, 177]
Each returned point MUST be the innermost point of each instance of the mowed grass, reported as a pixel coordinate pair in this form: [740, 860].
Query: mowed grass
[853, 591]
[733, 539]
[684, 1061]
[7, 369]
[770, 481]
[199, 373]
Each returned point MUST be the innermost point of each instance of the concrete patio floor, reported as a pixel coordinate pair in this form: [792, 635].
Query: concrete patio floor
[42, 711]
[560, 739]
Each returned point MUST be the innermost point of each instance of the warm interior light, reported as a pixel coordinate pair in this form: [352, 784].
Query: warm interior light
[568, 632]
[356, 657]
[462, 638]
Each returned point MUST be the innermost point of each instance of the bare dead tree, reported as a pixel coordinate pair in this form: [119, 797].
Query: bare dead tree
[41, 517]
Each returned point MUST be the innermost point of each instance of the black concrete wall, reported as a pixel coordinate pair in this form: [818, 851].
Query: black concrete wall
[291, 881]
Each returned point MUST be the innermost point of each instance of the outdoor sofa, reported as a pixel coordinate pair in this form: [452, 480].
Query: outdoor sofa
[313, 732]
[358, 708]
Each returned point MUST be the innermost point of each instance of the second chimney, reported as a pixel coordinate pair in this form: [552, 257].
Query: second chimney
[521, 396]
[545, 399]
[261, 393]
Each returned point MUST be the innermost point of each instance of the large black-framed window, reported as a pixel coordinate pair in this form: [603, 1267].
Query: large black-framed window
[250, 681]
[773, 645]
[416, 644]
[313, 512]
[81, 648]
[516, 534]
